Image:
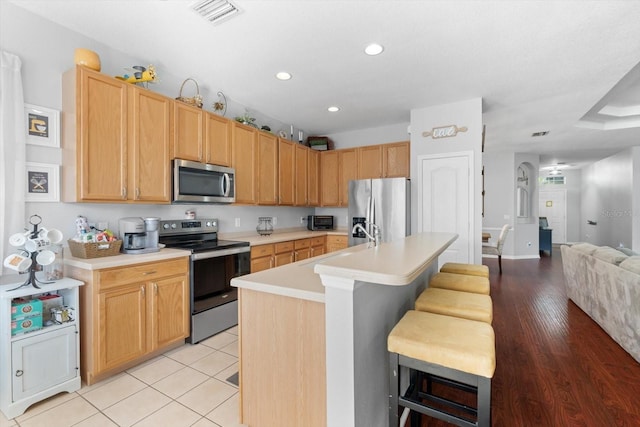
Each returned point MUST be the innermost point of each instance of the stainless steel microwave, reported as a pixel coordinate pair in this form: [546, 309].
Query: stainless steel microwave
[195, 182]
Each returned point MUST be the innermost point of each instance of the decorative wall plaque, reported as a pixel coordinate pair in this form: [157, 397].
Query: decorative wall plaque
[444, 132]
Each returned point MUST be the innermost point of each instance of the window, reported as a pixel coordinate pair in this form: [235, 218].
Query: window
[553, 180]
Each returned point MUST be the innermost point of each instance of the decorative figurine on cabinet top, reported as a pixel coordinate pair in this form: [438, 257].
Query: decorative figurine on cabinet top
[141, 75]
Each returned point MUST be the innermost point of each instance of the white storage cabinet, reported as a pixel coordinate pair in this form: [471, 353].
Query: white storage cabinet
[37, 364]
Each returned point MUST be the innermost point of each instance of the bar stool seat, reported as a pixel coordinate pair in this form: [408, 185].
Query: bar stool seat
[468, 269]
[456, 352]
[464, 305]
[460, 282]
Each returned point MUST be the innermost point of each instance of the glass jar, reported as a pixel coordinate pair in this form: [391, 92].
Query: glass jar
[265, 225]
[55, 270]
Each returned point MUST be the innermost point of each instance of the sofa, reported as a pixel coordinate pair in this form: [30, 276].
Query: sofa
[605, 284]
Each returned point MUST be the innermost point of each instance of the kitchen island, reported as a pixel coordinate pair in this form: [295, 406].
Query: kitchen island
[313, 333]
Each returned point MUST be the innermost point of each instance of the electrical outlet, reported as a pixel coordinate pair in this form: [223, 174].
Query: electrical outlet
[237, 222]
[302, 219]
[274, 220]
[529, 244]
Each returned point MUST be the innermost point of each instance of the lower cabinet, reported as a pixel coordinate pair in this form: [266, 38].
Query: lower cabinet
[134, 313]
[335, 243]
[264, 257]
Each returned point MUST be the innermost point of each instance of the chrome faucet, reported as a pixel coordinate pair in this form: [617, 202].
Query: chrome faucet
[376, 232]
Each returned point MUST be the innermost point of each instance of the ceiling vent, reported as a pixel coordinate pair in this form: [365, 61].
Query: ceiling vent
[215, 11]
[543, 133]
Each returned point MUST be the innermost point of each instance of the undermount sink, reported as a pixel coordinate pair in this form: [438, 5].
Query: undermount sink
[312, 262]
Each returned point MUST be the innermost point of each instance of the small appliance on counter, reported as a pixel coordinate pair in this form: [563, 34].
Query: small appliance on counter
[140, 235]
[320, 222]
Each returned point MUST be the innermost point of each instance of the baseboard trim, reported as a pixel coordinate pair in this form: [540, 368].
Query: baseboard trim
[516, 257]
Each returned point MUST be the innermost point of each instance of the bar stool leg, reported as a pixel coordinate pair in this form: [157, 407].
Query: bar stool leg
[484, 402]
[394, 389]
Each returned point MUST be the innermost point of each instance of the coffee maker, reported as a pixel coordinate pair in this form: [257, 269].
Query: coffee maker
[139, 235]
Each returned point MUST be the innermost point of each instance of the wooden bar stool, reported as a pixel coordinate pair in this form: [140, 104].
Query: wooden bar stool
[456, 353]
[468, 269]
[460, 282]
[464, 305]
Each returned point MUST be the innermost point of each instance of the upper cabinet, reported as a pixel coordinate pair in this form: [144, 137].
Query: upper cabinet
[286, 171]
[313, 177]
[189, 132]
[329, 187]
[244, 158]
[218, 132]
[267, 177]
[370, 161]
[116, 140]
[348, 170]
[396, 159]
[301, 176]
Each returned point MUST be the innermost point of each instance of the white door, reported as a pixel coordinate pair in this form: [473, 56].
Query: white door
[445, 202]
[553, 205]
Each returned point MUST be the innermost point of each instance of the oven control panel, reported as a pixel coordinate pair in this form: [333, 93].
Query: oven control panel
[188, 226]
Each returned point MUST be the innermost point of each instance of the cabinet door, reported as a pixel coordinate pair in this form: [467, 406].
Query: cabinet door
[329, 179]
[286, 170]
[149, 146]
[101, 124]
[121, 326]
[244, 160]
[302, 249]
[170, 312]
[267, 179]
[217, 134]
[43, 361]
[301, 176]
[188, 132]
[262, 263]
[335, 243]
[348, 170]
[313, 177]
[370, 162]
[396, 159]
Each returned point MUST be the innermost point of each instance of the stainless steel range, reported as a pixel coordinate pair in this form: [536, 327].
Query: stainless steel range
[214, 303]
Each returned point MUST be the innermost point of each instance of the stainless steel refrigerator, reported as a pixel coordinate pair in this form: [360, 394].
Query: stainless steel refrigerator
[385, 202]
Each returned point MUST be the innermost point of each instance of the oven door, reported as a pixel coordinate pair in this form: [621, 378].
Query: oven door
[211, 274]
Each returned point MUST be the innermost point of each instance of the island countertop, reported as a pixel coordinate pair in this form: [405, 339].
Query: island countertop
[395, 263]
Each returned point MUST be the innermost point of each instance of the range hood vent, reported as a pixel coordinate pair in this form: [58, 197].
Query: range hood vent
[215, 10]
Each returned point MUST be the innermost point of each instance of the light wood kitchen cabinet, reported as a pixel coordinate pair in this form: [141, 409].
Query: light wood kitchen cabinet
[330, 194]
[286, 172]
[116, 140]
[318, 245]
[396, 160]
[267, 178]
[313, 177]
[301, 176]
[335, 242]
[149, 145]
[94, 137]
[188, 134]
[262, 257]
[348, 170]
[131, 314]
[244, 156]
[370, 161]
[284, 253]
[218, 133]
[302, 249]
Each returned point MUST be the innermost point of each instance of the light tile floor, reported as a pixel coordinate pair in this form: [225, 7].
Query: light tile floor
[184, 387]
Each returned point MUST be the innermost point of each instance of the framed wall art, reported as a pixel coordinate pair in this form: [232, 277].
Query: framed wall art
[43, 126]
[43, 182]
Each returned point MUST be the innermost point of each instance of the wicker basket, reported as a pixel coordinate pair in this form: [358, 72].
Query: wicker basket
[195, 100]
[94, 250]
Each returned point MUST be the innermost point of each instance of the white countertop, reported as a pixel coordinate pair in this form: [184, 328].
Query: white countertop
[122, 259]
[395, 263]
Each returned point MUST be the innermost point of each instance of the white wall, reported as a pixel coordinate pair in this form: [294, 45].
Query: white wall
[608, 198]
[499, 198]
[46, 51]
[467, 114]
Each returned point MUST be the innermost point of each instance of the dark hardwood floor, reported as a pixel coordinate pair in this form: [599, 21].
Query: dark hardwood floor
[555, 366]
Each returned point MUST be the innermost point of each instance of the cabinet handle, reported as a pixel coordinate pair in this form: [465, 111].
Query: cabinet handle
[155, 288]
[295, 255]
[19, 373]
[271, 262]
[291, 256]
[137, 193]
[146, 273]
[142, 290]
[124, 193]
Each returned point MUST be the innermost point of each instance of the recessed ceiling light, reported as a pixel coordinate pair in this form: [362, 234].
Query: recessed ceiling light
[373, 49]
[283, 75]
[543, 133]
[333, 109]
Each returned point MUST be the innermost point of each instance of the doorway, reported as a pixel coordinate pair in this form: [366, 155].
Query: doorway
[553, 205]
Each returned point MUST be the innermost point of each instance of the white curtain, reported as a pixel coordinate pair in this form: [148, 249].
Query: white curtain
[12, 153]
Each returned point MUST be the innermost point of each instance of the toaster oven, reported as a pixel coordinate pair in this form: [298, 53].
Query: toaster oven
[320, 222]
